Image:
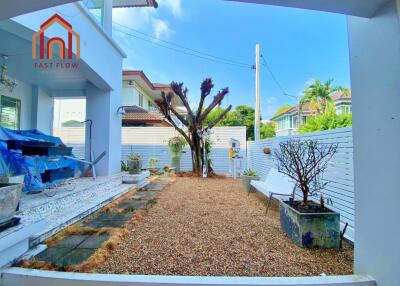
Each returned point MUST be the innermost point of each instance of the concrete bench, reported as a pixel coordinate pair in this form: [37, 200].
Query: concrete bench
[275, 184]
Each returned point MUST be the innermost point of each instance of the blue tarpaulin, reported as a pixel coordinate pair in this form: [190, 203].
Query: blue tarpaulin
[32, 166]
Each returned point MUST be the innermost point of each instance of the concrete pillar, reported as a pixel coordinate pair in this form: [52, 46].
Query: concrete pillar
[42, 111]
[101, 108]
[375, 76]
[107, 16]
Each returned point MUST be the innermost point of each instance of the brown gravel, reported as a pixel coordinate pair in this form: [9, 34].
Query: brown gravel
[211, 227]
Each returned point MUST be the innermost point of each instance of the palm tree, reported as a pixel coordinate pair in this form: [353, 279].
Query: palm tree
[317, 95]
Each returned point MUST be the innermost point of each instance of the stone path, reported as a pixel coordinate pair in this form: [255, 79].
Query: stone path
[75, 249]
[67, 207]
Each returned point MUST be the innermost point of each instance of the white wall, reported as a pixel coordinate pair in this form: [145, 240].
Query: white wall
[44, 112]
[130, 95]
[151, 142]
[23, 92]
[375, 76]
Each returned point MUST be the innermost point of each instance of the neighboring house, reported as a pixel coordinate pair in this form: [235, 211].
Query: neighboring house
[41, 57]
[138, 100]
[287, 121]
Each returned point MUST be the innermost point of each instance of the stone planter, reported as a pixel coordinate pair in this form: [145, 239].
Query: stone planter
[12, 180]
[134, 166]
[176, 163]
[10, 195]
[246, 182]
[310, 230]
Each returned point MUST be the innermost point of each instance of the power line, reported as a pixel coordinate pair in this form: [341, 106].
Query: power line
[183, 47]
[185, 52]
[273, 75]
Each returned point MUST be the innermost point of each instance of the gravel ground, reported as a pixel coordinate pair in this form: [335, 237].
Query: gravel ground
[211, 227]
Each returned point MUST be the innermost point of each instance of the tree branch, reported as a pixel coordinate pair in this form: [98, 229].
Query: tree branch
[220, 117]
[217, 100]
[206, 87]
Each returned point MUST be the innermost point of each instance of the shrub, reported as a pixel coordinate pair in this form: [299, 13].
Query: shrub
[305, 162]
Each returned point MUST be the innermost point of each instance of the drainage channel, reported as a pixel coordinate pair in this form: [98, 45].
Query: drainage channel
[71, 248]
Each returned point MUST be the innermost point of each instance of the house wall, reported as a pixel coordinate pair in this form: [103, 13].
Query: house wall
[45, 112]
[375, 69]
[104, 80]
[130, 95]
[23, 92]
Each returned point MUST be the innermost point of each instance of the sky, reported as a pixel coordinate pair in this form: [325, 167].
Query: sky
[298, 45]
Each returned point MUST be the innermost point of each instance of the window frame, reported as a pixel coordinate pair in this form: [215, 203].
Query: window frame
[18, 105]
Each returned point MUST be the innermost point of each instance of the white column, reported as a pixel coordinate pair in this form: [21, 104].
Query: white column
[101, 108]
[257, 108]
[107, 16]
[375, 76]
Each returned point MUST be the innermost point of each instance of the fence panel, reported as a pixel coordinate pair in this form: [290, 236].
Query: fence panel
[339, 173]
[152, 142]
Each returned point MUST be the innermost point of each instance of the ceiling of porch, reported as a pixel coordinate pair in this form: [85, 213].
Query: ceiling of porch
[16, 44]
[361, 8]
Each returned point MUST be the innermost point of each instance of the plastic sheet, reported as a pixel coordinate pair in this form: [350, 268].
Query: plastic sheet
[33, 166]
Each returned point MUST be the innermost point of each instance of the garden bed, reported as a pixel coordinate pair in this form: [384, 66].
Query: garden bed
[212, 227]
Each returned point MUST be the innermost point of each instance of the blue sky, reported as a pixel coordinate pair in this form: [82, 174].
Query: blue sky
[299, 46]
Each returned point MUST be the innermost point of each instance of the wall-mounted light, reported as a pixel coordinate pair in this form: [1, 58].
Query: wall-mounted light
[5, 81]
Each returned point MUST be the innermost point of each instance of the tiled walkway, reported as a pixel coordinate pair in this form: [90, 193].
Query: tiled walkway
[75, 249]
[67, 207]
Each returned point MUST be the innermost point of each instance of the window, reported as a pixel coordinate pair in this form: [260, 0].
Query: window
[140, 100]
[10, 112]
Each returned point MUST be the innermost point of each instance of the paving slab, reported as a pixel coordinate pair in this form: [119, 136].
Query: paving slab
[52, 254]
[76, 256]
[144, 195]
[71, 241]
[113, 216]
[155, 187]
[94, 241]
[105, 223]
[132, 205]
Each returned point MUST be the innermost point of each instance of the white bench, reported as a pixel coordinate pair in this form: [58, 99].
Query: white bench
[275, 184]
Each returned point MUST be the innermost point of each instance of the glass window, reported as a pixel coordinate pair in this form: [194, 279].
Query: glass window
[140, 100]
[10, 112]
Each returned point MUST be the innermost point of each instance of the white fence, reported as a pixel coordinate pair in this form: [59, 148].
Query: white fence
[151, 142]
[339, 173]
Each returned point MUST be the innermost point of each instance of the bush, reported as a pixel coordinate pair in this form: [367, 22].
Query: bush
[326, 121]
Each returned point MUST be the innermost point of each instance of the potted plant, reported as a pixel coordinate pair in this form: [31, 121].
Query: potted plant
[134, 164]
[247, 176]
[176, 145]
[10, 191]
[153, 165]
[307, 223]
[6, 174]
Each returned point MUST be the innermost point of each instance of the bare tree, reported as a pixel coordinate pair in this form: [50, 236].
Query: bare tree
[305, 162]
[195, 119]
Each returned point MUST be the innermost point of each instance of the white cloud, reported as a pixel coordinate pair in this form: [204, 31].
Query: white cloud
[161, 28]
[175, 6]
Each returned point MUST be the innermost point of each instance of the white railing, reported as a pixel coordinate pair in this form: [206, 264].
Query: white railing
[28, 277]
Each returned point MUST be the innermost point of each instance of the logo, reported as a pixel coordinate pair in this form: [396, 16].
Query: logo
[48, 47]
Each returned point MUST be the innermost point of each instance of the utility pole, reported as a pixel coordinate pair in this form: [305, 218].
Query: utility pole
[257, 107]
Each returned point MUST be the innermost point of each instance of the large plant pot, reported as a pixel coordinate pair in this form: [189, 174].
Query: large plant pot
[135, 166]
[310, 230]
[12, 180]
[246, 180]
[176, 163]
[10, 195]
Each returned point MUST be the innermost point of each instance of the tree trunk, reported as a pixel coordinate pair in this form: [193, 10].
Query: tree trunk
[305, 195]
